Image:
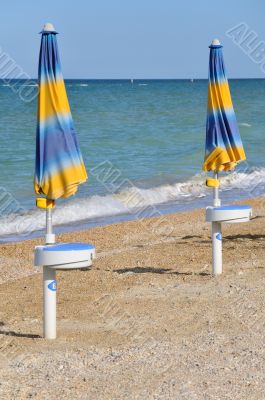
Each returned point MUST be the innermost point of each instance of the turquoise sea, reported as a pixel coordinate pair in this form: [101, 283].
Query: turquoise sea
[150, 133]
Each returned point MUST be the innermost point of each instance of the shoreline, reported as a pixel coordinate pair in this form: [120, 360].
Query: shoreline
[162, 209]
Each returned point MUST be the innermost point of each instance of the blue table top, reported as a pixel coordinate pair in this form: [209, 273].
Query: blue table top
[233, 207]
[68, 247]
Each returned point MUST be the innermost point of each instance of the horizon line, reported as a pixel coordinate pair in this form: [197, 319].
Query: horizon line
[130, 79]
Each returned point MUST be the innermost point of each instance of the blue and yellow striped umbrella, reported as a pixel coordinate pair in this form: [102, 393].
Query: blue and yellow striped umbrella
[223, 148]
[59, 165]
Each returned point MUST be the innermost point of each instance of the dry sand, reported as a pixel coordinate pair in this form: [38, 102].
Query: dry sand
[147, 322]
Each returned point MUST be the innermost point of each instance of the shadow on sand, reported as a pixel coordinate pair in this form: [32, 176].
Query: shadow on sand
[153, 270]
[247, 236]
[18, 334]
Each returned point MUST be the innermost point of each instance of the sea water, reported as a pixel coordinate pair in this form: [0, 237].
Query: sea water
[143, 145]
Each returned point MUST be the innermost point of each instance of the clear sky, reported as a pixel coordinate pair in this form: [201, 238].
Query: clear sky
[132, 38]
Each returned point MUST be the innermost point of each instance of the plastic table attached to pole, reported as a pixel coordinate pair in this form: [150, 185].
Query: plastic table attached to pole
[57, 256]
[60, 256]
[217, 216]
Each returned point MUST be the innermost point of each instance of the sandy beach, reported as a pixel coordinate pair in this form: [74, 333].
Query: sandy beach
[148, 321]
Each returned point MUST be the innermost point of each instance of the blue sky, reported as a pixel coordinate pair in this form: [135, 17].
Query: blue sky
[132, 39]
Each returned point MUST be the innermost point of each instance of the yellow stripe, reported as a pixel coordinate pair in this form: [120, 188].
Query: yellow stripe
[52, 99]
[210, 182]
[64, 183]
[219, 96]
[223, 160]
[42, 202]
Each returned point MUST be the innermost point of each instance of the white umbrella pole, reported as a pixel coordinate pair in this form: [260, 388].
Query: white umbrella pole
[49, 302]
[216, 248]
[216, 199]
[49, 237]
[216, 235]
[49, 286]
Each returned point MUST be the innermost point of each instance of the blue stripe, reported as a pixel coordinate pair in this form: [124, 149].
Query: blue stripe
[222, 129]
[59, 120]
[56, 141]
[61, 162]
[49, 60]
[216, 66]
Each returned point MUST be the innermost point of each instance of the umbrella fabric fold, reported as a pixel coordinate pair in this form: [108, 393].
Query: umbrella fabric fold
[223, 147]
[59, 167]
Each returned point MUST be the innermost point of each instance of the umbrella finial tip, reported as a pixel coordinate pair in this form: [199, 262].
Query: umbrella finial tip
[48, 27]
[216, 42]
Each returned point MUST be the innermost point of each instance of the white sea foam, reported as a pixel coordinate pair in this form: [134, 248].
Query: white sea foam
[244, 124]
[83, 84]
[129, 200]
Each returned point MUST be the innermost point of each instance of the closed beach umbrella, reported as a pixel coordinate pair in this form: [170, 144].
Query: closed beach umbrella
[59, 165]
[58, 172]
[223, 147]
[223, 150]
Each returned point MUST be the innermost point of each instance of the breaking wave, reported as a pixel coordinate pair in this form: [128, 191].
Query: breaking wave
[129, 200]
